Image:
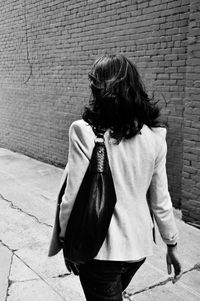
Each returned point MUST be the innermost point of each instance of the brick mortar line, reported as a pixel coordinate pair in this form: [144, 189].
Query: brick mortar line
[26, 213]
[27, 45]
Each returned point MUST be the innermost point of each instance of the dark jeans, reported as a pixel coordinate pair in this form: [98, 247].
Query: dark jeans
[106, 280]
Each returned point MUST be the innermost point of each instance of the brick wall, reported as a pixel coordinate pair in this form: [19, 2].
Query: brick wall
[48, 48]
[191, 142]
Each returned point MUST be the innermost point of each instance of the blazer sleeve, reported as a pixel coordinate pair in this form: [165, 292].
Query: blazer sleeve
[78, 162]
[160, 199]
[55, 245]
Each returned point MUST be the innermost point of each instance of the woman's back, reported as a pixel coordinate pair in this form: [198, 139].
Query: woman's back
[136, 148]
[132, 163]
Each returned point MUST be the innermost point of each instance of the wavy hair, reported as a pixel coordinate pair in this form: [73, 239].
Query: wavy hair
[118, 99]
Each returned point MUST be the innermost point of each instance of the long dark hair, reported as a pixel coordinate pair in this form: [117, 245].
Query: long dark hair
[118, 100]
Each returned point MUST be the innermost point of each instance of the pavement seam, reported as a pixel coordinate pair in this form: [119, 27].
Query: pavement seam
[26, 213]
[6, 246]
[41, 278]
[61, 275]
[26, 280]
[126, 296]
[161, 283]
[53, 277]
[9, 281]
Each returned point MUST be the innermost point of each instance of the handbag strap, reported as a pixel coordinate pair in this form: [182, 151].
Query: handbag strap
[99, 133]
[100, 160]
[99, 138]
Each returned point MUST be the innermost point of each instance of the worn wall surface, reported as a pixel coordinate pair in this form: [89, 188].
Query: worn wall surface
[47, 48]
[191, 138]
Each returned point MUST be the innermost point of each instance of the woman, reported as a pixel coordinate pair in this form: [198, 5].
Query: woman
[136, 149]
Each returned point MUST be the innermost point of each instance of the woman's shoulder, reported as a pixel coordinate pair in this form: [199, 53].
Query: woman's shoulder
[80, 123]
[80, 126]
[154, 136]
[160, 131]
[156, 132]
[81, 131]
[154, 139]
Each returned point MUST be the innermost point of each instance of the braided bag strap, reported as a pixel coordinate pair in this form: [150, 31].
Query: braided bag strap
[100, 158]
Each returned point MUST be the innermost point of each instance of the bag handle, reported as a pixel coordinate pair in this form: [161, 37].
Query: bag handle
[99, 133]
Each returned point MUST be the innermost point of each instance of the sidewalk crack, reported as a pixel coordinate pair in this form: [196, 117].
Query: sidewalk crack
[6, 246]
[128, 296]
[40, 277]
[25, 280]
[61, 275]
[26, 213]
[9, 281]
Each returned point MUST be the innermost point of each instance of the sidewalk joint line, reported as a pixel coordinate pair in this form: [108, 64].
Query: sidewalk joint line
[9, 281]
[161, 283]
[6, 246]
[25, 280]
[41, 278]
[26, 213]
[126, 296]
[61, 275]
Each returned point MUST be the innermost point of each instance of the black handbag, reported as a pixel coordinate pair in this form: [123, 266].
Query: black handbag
[93, 209]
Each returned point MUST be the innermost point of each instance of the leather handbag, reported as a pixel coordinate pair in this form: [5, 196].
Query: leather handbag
[93, 208]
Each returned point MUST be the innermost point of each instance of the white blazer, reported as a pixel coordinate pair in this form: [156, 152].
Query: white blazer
[136, 164]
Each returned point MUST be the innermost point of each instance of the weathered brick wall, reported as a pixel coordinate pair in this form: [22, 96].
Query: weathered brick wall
[191, 142]
[48, 48]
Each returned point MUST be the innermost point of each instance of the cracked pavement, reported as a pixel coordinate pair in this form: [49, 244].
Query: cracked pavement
[28, 191]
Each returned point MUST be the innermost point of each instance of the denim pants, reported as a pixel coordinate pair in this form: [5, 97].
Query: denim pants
[106, 280]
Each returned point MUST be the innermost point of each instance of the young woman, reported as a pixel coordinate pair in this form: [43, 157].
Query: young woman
[136, 148]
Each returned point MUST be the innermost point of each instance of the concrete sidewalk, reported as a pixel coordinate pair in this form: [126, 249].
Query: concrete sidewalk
[28, 191]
